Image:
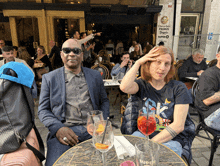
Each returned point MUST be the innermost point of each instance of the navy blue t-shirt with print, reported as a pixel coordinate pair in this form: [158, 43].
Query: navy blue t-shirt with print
[174, 92]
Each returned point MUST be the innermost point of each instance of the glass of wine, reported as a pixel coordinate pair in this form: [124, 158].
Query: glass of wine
[146, 122]
[92, 117]
[103, 137]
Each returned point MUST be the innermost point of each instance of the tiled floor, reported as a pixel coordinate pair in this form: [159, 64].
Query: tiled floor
[200, 148]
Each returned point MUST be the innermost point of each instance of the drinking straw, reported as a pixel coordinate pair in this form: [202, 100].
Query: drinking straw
[90, 112]
[147, 109]
[105, 130]
[147, 115]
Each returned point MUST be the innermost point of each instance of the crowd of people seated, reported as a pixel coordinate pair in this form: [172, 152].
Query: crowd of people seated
[70, 91]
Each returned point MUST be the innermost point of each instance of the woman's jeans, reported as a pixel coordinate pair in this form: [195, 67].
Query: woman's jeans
[55, 149]
[173, 145]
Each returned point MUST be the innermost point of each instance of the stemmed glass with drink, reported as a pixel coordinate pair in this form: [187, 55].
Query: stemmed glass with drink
[92, 117]
[146, 121]
[103, 137]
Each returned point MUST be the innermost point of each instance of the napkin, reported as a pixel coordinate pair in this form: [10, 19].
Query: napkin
[123, 147]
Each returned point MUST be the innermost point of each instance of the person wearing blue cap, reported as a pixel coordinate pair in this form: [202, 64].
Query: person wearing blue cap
[67, 95]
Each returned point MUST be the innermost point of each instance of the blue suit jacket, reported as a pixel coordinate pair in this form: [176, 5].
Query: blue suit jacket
[52, 102]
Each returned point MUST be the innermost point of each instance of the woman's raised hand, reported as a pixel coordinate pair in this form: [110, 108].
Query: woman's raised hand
[150, 56]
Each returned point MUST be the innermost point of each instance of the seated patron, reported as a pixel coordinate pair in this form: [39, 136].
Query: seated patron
[136, 54]
[67, 94]
[42, 58]
[120, 70]
[147, 48]
[16, 55]
[23, 54]
[8, 56]
[133, 46]
[194, 66]
[156, 86]
[207, 98]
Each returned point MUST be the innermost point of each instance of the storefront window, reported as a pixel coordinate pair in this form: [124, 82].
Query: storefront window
[192, 5]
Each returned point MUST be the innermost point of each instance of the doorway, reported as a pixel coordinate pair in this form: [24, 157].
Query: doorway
[28, 33]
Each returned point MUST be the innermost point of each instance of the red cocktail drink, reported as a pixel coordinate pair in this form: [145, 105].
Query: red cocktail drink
[146, 126]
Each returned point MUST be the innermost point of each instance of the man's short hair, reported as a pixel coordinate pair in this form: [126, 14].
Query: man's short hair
[198, 51]
[124, 53]
[7, 49]
[219, 49]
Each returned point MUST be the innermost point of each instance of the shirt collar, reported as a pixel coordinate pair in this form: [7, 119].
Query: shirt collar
[69, 74]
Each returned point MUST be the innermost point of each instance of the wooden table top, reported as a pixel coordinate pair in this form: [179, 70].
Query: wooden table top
[81, 154]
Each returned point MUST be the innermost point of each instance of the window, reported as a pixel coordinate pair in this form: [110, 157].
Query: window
[192, 5]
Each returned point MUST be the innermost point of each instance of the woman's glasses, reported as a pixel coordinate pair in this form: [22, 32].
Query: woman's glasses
[76, 51]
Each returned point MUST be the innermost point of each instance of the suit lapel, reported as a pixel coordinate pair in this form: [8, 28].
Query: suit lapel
[61, 77]
[90, 83]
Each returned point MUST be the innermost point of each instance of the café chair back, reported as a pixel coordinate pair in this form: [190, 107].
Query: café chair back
[211, 134]
[212, 63]
[102, 69]
[177, 66]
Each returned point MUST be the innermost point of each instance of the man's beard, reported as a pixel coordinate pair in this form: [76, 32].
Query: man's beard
[198, 62]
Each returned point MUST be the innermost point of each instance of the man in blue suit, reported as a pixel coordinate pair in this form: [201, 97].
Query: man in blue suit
[67, 94]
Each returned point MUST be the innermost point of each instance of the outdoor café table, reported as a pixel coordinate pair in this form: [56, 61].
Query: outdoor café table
[81, 154]
[110, 83]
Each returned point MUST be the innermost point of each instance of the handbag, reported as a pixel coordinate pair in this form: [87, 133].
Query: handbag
[16, 116]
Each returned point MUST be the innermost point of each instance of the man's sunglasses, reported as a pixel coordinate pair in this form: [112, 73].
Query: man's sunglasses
[76, 51]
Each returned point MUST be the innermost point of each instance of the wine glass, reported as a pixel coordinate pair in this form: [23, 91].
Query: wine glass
[146, 122]
[92, 117]
[103, 137]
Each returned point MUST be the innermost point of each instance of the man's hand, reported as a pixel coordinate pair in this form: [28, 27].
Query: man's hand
[200, 72]
[124, 63]
[98, 34]
[72, 138]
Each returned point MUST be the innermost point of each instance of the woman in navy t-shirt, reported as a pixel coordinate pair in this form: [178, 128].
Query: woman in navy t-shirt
[156, 84]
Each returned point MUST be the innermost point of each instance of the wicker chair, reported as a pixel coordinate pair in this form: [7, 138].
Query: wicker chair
[102, 69]
[212, 63]
[177, 66]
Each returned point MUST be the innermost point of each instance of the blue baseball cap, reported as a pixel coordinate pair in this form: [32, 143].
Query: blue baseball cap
[24, 75]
